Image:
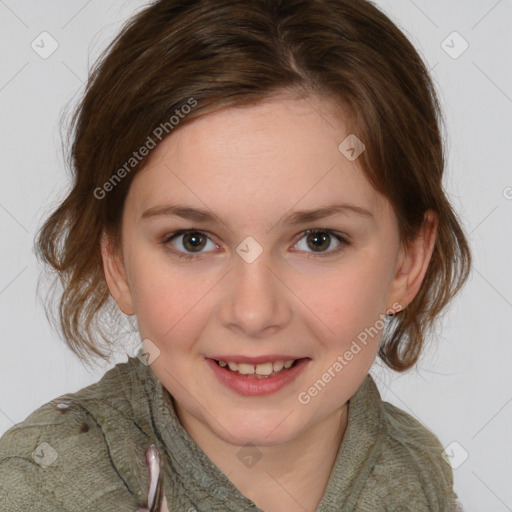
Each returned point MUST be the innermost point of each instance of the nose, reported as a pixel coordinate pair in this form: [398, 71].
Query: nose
[256, 299]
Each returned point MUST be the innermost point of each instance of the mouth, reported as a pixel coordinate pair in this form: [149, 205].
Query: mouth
[256, 377]
[263, 370]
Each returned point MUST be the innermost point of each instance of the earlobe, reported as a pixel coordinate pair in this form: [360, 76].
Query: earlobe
[115, 276]
[415, 260]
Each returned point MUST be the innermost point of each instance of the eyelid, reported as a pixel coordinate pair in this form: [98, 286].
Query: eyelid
[342, 238]
[180, 232]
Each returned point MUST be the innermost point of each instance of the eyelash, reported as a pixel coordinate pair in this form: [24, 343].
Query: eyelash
[189, 256]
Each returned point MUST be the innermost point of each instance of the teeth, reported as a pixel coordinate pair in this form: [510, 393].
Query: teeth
[245, 369]
[233, 366]
[278, 366]
[262, 369]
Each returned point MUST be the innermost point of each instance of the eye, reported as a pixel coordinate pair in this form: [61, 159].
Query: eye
[192, 240]
[321, 239]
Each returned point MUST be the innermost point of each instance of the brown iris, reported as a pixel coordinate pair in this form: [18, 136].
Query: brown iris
[319, 238]
[196, 239]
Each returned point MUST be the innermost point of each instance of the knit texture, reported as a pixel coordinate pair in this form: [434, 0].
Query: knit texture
[84, 452]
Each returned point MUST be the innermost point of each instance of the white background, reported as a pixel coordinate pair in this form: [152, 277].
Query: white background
[461, 390]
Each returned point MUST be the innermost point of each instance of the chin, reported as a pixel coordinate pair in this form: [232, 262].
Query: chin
[257, 438]
[269, 429]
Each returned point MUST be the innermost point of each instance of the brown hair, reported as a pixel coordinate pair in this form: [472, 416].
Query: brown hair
[235, 53]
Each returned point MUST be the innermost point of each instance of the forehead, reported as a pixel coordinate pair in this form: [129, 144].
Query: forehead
[267, 158]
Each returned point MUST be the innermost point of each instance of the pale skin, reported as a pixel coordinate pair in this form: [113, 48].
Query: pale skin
[253, 167]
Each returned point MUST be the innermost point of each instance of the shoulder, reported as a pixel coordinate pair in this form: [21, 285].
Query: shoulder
[58, 459]
[411, 449]
[414, 441]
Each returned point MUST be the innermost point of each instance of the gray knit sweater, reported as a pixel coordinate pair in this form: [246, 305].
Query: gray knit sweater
[84, 452]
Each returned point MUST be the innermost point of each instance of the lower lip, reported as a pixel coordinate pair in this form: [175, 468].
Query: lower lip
[252, 386]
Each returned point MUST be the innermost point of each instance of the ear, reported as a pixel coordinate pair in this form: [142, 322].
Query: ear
[413, 262]
[115, 275]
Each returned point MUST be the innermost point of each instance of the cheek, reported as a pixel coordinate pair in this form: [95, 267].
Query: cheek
[349, 300]
[349, 311]
[168, 302]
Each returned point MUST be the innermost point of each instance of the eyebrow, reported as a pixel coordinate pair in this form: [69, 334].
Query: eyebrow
[296, 217]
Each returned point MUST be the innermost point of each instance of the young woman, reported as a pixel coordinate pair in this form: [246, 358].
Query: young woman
[259, 183]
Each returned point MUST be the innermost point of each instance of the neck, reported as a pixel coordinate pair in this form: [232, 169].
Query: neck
[291, 476]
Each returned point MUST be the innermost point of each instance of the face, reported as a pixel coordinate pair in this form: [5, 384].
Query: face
[252, 283]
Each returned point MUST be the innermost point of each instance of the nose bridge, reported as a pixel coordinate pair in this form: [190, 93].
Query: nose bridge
[256, 300]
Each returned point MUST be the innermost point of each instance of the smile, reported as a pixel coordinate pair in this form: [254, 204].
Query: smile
[261, 370]
[257, 378]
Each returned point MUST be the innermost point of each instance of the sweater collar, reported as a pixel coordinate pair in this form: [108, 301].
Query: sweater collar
[191, 477]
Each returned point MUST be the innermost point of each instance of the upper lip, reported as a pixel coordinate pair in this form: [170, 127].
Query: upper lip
[255, 360]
